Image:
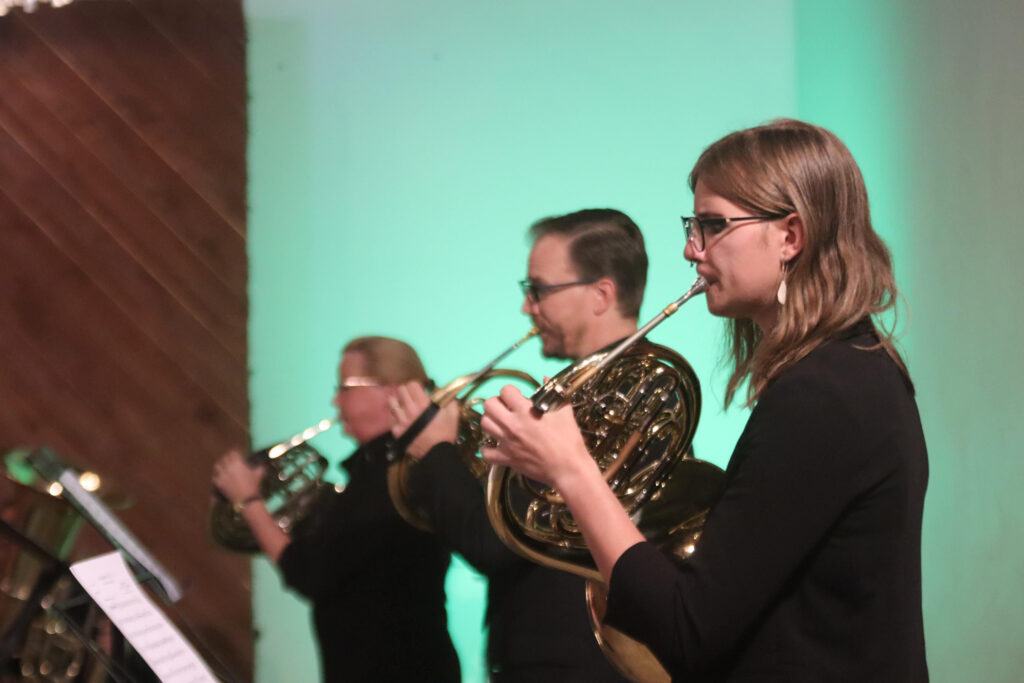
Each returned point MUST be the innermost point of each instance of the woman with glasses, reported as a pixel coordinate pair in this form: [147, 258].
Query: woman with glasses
[808, 568]
[376, 583]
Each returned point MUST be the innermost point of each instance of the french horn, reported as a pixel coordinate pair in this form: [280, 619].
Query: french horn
[637, 407]
[293, 470]
[469, 437]
[292, 481]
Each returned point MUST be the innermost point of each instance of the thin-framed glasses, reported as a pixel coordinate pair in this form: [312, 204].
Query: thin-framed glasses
[356, 382]
[534, 291]
[699, 229]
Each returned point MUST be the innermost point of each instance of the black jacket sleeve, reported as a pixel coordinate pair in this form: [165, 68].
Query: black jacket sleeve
[816, 500]
[348, 532]
[454, 500]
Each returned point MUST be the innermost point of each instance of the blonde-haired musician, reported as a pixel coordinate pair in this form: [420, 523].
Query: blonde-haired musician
[376, 583]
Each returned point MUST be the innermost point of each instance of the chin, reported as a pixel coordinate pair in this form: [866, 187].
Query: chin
[550, 352]
[549, 349]
[715, 306]
[720, 310]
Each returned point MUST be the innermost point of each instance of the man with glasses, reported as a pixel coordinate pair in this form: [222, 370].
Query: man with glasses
[585, 282]
[586, 277]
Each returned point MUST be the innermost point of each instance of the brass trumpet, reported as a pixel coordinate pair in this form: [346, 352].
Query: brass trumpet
[468, 439]
[637, 407]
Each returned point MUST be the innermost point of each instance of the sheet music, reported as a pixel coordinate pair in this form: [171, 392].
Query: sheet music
[108, 580]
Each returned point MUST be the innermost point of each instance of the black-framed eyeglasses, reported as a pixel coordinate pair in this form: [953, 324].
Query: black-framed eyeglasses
[534, 291]
[698, 230]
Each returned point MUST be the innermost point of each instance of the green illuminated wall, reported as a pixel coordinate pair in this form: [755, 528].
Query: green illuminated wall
[931, 98]
[399, 150]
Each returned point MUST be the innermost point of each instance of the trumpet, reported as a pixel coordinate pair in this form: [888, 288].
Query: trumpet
[469, 437]
[637, 407]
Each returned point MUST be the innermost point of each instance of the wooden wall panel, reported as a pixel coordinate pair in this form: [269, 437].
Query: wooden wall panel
[123, 269]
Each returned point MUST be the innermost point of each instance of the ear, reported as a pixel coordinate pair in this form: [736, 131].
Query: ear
[605, 295]
[793, 236]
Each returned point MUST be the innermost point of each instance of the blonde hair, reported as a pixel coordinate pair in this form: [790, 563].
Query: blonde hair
[844, 272]
[388, 360]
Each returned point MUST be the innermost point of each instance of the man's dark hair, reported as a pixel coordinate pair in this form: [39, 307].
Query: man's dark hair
[603, 243]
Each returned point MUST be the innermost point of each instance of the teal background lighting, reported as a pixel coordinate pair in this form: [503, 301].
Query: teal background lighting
[399, 150]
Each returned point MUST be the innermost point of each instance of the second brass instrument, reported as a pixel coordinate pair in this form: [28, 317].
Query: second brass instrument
[637, 407]
[470, 434]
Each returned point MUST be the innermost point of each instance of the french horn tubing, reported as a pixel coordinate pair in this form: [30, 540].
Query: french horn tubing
[469, 435]
[637, 407]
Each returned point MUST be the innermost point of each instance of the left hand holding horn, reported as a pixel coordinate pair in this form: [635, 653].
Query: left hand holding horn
[548, 448]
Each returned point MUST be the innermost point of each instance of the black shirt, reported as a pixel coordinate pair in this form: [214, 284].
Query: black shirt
[539, 628]
[376, 584]
[809, 567]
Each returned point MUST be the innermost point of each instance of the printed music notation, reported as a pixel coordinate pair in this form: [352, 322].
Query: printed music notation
[110, 583]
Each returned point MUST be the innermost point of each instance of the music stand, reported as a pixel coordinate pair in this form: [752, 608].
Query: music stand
[94, 511]
[142, 566]
[12, 639]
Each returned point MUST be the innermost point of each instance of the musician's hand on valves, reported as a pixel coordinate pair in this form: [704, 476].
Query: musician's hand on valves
[548, 448]
[235, 478]
[408, 405]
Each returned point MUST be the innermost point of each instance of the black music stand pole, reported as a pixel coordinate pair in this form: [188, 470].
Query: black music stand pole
[15, 634]
[116, 661]
[12, 640]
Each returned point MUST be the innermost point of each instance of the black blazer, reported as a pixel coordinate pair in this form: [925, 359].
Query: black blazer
[809, 567]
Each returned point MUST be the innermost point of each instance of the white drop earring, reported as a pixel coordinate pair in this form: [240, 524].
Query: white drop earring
[781, 294]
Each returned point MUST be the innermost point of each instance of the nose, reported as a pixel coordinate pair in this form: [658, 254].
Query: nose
[529, 306]
[691, 253]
